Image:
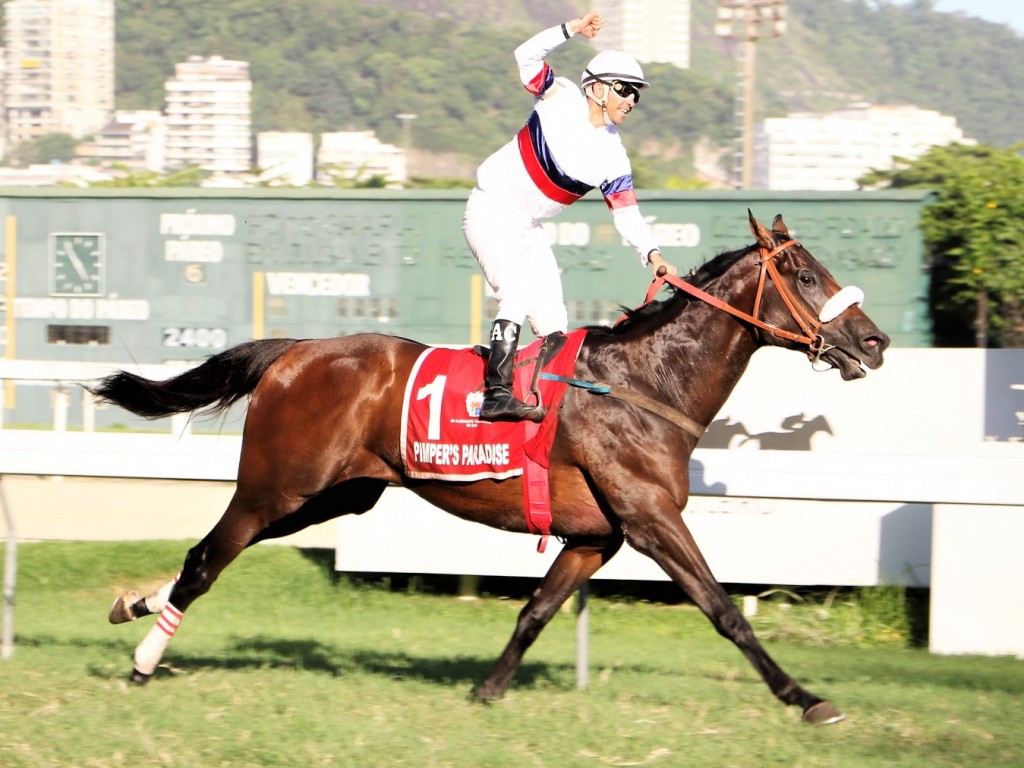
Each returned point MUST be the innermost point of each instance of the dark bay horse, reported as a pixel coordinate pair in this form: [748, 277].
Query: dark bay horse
[321, 439]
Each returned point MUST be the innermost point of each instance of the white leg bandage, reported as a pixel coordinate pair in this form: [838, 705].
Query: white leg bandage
[156, 601]
[151, 649]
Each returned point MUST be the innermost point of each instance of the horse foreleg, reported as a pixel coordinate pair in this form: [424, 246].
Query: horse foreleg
[672, 546]
[577, 562]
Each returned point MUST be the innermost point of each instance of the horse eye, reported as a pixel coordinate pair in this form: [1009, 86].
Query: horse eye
[805, 277]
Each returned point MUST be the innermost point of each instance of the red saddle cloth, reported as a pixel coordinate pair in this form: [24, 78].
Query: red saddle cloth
[443, 437]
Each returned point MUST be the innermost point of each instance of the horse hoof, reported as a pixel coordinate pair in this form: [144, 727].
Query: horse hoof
[481, 696]
[121, 610]
[823, 713]
[139, 678]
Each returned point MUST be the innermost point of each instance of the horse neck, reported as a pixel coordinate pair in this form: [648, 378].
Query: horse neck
[708, 351]
[689, 355]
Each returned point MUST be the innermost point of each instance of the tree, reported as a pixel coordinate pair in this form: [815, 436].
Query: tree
[51, 147]
[190, 176]
[975, 236]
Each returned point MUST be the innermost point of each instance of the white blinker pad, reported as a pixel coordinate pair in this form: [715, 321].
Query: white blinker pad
[839, 303]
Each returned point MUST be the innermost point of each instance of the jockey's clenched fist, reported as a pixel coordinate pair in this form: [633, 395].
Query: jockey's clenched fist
[587, 25]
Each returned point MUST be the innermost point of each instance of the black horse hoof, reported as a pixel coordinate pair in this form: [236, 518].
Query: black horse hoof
[823, 713]
[139, 678]
[479, 696]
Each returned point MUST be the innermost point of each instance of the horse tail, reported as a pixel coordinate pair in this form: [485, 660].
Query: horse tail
[212, 386]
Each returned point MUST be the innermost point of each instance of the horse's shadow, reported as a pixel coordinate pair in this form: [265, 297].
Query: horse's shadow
[312, 655]
[468, 671]
[794, 434]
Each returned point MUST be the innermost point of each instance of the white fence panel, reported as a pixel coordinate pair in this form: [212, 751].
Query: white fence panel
[801, 479]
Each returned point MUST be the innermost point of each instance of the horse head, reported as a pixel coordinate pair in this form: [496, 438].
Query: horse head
[799, 304]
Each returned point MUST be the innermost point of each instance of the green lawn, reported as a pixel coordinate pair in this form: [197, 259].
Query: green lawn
[282, 665]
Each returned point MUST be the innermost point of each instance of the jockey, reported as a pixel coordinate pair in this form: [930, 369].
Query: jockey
[569, 145]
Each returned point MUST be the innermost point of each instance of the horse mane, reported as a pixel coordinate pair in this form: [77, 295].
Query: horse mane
[700, 278]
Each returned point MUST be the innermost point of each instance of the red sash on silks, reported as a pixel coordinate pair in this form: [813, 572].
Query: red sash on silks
[443, 437]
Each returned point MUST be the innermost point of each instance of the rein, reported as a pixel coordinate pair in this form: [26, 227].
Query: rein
[816, 346]
[682, 421]
[808, 324]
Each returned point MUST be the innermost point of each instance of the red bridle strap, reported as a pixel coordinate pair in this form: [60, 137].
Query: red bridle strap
[767, 268]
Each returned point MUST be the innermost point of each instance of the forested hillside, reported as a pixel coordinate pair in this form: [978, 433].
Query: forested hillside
[323, 65]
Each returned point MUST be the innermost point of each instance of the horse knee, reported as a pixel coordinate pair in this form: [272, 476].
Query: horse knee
[533, 618]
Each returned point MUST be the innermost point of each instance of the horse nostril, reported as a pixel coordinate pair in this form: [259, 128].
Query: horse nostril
[879, 340]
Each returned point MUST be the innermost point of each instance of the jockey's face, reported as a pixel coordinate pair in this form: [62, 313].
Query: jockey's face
[619, 107]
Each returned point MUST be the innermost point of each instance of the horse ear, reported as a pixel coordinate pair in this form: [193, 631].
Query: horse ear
[761, 233]
[779, 225]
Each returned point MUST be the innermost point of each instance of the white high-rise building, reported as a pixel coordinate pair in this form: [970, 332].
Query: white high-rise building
[285, 157]
[209, 115]
[59, 62]
[358, 156]
[648, 30]
[831, 151]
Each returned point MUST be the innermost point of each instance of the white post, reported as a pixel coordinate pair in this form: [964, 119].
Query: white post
[749, 605]
[61, 400]
[10, 577]
[582, 637]
[181, 424]
[88, 411]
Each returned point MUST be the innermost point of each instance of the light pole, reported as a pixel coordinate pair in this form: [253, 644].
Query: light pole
[406, 118]
[748, 21]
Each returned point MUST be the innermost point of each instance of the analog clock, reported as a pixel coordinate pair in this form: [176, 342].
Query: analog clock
[78, 262]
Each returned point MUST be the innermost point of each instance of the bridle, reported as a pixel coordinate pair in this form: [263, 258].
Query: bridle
[809, 325]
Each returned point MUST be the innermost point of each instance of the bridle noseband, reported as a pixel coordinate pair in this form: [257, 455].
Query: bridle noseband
[809, 325]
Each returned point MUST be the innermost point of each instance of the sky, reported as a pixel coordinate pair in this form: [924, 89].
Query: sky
[1000, 11]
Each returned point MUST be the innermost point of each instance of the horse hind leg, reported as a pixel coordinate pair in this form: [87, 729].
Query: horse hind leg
[132, 605]
[578, 561]
[237, 528]
[240, 527]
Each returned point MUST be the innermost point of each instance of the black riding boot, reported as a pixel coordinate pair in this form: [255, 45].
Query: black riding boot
[499, 402]
[551, 346]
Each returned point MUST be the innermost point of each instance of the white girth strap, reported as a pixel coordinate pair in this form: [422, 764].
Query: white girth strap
[841, 302]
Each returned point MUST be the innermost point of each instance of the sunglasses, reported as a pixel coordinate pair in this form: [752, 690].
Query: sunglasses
[623, 89]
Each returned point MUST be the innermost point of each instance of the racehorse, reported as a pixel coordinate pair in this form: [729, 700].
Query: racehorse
[321, 439]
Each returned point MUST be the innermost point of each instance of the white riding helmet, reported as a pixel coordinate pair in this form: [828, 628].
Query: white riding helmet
[613, 65]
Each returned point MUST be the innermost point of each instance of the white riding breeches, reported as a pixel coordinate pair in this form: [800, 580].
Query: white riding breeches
[517, 262]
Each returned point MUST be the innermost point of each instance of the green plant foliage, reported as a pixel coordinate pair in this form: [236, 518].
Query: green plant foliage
[52, 147]
[975, 233]
[331, 65]
[182, 177]
[868, 617]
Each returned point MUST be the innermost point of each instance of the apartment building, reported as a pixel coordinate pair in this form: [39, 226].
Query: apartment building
[209, 115]
[134, 139]
[59, 68]
[648, 30]
[285, 157]
[358, 156]
[831, 151]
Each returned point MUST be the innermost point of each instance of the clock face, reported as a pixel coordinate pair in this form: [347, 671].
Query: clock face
[78, 262]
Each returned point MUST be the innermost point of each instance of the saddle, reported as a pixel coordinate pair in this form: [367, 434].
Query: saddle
[442, 435]
[444, 439]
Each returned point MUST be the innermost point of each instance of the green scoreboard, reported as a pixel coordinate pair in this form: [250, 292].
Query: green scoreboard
[168, 275]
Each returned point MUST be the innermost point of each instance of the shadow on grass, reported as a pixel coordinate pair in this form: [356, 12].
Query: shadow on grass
[312, 655]
[323, 559]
